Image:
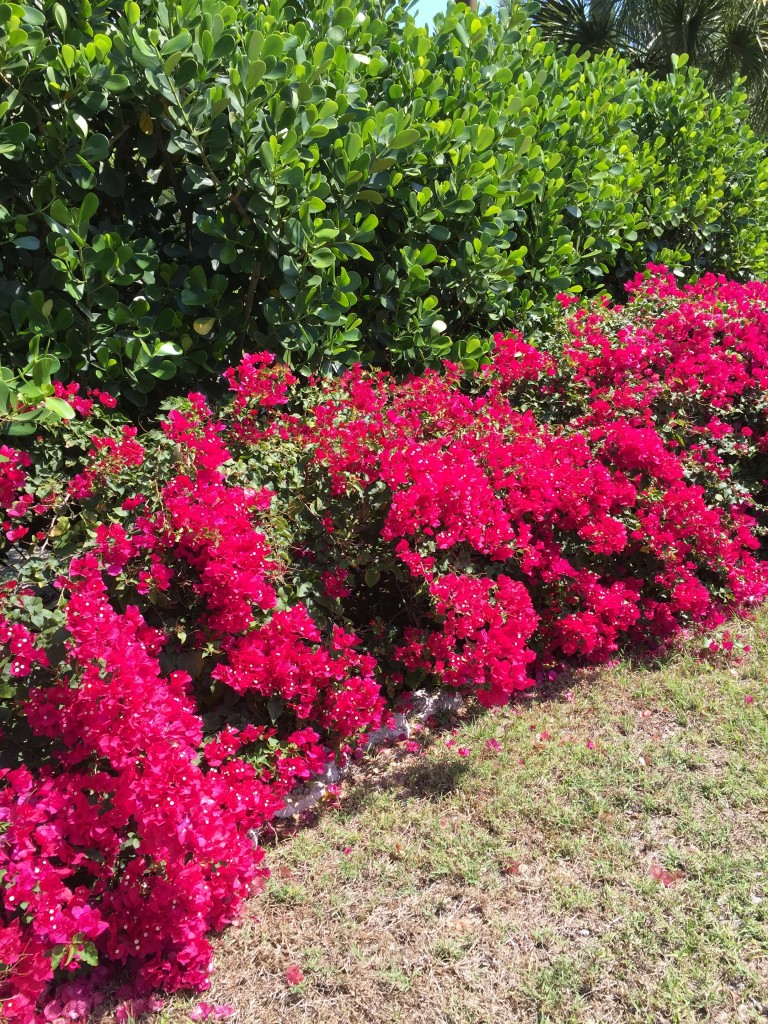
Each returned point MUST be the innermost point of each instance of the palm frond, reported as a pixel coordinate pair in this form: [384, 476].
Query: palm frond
[581, 24]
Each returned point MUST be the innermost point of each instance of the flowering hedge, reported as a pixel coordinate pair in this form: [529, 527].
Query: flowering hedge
[195, 618]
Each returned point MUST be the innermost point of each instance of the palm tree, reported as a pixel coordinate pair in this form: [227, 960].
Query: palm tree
[723, 38]
[584, 24]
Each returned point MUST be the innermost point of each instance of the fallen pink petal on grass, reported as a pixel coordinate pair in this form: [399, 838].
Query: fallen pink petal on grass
[667, 878]
[211, 1011]
[294, 975]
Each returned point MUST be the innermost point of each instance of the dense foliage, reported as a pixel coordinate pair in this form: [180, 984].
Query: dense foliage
[182, 181]
[723, 38]
[196, 618]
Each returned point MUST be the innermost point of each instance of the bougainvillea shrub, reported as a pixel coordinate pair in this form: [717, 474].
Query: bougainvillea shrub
[629, 520]
[196, 617]
[128, 817]
[697, 374]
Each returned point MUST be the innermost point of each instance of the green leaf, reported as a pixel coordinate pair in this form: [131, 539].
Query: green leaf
[275, 707]
[228, 253]
[182, 41]
[42, 369]
[88, 208]
[427, 255]
[33, 17]
[132, 12]
[382, 164]
[61, 408]
[12, 139]
[18, 428]
[96, 148]
[166, 370]
[167, 348]
[255, 43]
[204, 326]
[405, 139]
[267, 156]
[272, 46]
[322, 259]
[60, 213]
[31, 394]
[60, 17]
[58, 954]
[88, 954]
[117, 83]
[255, 73]
[485, 138]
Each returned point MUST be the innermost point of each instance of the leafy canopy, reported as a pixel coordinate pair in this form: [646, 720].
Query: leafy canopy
[181, 182]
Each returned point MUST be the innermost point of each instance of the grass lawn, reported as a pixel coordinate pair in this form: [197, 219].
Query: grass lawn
[607, 865]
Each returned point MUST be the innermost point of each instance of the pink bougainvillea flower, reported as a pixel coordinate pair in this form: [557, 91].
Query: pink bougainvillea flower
[293, 975]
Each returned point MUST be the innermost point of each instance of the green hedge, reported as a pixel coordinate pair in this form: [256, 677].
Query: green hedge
[181, 180]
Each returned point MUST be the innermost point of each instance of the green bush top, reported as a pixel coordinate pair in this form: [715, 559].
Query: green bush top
[181, 181]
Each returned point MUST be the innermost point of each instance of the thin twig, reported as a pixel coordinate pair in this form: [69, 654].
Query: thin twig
[249, 297]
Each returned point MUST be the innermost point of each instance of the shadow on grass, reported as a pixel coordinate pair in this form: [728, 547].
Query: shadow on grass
[410, 778]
